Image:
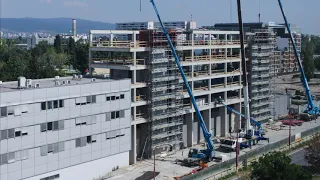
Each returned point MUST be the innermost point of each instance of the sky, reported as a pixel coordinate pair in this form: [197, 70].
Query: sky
[303, 13]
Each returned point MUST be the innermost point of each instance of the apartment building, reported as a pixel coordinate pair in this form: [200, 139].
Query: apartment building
[156, 25]
[161, 110]
[64, 128]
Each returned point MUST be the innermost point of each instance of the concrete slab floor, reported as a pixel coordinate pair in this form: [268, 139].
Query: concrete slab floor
[168, 169]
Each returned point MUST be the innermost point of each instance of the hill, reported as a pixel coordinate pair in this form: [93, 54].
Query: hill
[53, 25]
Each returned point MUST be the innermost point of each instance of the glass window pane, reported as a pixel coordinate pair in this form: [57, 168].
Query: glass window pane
[4, 134]
[88, 99]
[43, 127]
[55, 104]
[113, 115]
[113, 98]
[117, 114]
[108, 116]
[11, 133]
[55, 125]
[43, 106]
[61, 103]
[108, 98]
[94, 99]
[122, 96]
[3, 111]
[49, 126]
[61, 125]
[49, 103]
[44, 150]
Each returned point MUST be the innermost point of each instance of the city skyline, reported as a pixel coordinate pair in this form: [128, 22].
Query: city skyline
[185, 9]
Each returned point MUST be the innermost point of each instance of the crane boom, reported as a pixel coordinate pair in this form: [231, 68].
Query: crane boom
[206, 133]
[312, 109]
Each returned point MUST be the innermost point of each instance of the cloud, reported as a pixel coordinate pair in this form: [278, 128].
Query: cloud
[74, 3]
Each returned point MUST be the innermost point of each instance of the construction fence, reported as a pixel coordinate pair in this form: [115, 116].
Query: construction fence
[224, 168]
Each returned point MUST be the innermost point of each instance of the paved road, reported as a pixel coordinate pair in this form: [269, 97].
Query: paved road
[298, 158]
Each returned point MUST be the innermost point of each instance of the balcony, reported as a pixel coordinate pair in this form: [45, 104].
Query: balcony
[119, 44]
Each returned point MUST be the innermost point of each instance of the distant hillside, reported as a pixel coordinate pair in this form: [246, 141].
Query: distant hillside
[54, 25]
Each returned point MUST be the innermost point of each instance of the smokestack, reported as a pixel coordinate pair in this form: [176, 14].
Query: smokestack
[74, 28]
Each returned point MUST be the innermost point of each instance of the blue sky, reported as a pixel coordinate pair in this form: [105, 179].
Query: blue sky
[205, 12]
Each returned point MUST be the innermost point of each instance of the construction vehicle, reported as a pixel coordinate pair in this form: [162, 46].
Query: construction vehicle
[311, 108]
[207, 154]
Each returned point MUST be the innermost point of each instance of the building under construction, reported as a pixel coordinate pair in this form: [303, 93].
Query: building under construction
[162, 115]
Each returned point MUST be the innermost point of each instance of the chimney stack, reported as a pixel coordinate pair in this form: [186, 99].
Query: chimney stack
[74, 28]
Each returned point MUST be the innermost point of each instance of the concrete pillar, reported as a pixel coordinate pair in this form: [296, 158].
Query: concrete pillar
[207, 121]
[111, 39]
[223, 121]
[134, 77]
[195, 129]
[90, 39]
[133, 151]
[134, 57]
[189, 123]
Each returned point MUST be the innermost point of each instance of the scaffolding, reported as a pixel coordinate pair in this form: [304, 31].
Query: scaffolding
[165, 96]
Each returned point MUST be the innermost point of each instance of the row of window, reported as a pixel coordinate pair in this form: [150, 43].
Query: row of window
[86, 100]
[14, 156]
[113, 98]
[114, 134]
[52, 148]
[14, 110]
[52, 104]
[83, 141]
[87, 120]
[12, 133]
[52, 126]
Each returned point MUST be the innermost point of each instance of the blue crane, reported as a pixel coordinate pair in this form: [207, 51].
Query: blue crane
[311, 109]
[208, 153]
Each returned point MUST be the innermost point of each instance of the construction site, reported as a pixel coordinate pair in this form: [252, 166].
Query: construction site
[196, 101]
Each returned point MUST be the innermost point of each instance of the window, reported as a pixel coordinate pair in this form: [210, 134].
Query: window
[49, 104]
[78, 121]
[24, 154]
[55, 147]
[117, 97]
[49, 126]
[17, 133]
[24, 108]
[10, 110]
[4, 134]
[88, 99]
[55, 104]
[61, 125]
[61, 103]
[122, 96]
[3, 111]
[44, 150]
[88, 139]
[113, 115]
[94, 99]
[4, 159]
[122, 114]
[61, 146]
[50, 148]
[113, 98]
[108, 99]
[11, 133]
[53, 177]
[108, 116]
[43, 127]
[94, 138]
[83, 141]
[56, 125]
[117, 114]
[78, 142]
[43, 106]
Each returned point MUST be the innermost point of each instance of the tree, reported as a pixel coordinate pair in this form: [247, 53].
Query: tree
[57, 44]
[312, 154]
[277, 166]
[317, 63]
[308, 61]
[82, 58]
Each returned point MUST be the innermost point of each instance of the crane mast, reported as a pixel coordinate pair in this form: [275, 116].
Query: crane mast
[206, 133]
[312, 109]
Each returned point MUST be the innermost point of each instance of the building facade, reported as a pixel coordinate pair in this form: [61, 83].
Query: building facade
[36, 39]
[64, 128]
[162, 114]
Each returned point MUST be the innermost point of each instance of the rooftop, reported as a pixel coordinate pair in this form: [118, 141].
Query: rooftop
[51, 82]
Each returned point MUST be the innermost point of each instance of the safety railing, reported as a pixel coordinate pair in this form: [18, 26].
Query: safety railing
[213, 57]
[119, 44]
[208, 43]
[119, 61]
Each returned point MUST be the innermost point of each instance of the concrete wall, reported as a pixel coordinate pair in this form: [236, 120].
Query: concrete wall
[37, 150]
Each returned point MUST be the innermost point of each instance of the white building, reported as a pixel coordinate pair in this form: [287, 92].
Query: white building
[67, 128]
[35, 39]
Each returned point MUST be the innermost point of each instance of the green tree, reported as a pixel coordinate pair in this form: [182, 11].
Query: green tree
[81, 60]
[277, 166]
[317, 63]
[308, 61]
[312, 154]
[57, 44]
